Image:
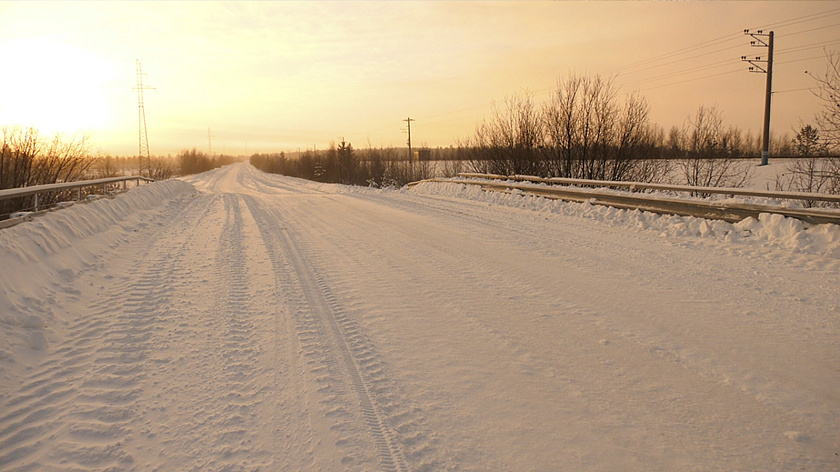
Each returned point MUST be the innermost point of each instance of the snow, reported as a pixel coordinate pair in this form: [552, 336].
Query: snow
[236, 320]
[773, 231]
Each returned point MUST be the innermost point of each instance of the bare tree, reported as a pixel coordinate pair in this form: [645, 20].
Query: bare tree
[161, 168]
[510, 142]
[711, 156]
[590, 134]
[21, 148]
[27, 158]
[828, 119]
[105, 166]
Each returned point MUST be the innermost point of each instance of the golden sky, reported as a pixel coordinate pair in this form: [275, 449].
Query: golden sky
[271, 76]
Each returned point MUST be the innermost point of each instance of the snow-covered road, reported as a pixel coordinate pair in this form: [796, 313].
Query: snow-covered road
[245, 321]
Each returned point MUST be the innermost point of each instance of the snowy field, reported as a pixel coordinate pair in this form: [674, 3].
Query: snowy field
[242, 321]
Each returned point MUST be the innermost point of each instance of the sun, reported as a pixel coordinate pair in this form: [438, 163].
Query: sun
[52, 86]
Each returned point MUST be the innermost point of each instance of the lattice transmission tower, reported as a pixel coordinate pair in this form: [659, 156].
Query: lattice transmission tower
[143, 137]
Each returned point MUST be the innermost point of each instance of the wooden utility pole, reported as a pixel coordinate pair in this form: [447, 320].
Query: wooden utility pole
[763, 66]
[410, 155]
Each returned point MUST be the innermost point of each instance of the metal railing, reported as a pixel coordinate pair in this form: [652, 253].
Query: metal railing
[727, 211]
[36, 190]
[744, 192]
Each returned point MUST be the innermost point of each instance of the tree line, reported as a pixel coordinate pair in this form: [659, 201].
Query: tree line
[376, 167]
[193, 161]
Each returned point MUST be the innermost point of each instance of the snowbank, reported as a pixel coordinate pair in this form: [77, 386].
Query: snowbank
[769, 230]
[56, 246]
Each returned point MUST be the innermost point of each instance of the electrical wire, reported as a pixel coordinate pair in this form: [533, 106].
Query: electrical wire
[805, 47]
[692, 80]
[692, 70]
[801, 19]
[792, 90]
[799, 60]
[725, 39]
[676, 57]
[709, 43]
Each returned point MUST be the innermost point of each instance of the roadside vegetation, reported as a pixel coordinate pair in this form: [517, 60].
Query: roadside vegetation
[819, 169]
[29, 158]
[585, 130]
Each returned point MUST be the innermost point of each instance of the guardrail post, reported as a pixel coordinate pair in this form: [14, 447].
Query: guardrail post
[79, 194]
[36, 202]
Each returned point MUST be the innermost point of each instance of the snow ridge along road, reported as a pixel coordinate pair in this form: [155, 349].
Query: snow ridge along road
[244, 321]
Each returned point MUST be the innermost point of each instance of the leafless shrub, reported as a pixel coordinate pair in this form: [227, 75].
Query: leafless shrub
[104, 167]
[161, 168]
[451, 168]
[711, 154]
[591, 135]
[828, 119]
[27, 158]
[814, 171]
[511, 141]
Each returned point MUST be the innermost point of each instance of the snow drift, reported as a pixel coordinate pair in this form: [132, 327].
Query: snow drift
[56, 245]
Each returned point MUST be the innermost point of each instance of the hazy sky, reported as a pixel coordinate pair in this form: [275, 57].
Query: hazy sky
[271, 76]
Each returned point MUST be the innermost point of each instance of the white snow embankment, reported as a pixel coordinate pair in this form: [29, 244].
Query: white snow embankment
[774, 231]
[56, 246]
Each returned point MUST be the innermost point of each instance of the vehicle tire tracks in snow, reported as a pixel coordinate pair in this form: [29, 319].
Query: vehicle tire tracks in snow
[340, 359]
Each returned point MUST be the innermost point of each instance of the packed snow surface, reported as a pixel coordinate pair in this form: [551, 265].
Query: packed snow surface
[242, 321]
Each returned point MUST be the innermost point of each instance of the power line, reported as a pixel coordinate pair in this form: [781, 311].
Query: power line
[792, 90]
[675, 57]
[683, 72]
[687, 58]
[739, 69]
[801, 19]
[711, 42]
[669, 63]
[801, 60]
[722, 40]
[806, 47]
[811, 30]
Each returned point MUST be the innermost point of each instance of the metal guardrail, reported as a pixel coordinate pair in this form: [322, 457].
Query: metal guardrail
[10, 193]
[821, 197]
[731, 212]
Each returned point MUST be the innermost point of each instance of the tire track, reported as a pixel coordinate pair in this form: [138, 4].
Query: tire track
[340, 357]
[232, 407]
[288, 367]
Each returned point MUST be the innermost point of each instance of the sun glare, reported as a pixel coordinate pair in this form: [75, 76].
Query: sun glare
[52, 86]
